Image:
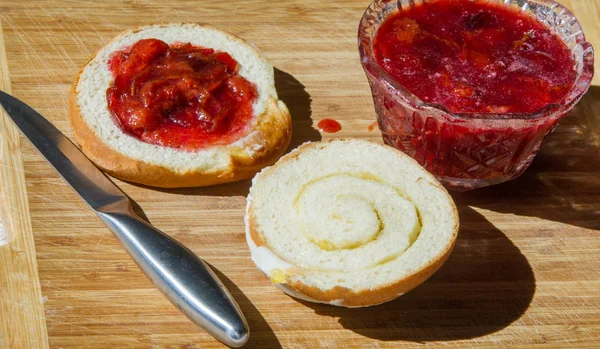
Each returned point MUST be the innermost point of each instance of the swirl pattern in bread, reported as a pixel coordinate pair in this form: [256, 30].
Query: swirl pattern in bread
[348, 222]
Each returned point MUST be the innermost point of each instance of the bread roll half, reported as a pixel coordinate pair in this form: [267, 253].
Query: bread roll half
[131, 159]
[348, 222]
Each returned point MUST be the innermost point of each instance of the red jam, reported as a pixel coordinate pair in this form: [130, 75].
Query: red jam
[475, 57]
[372, 126]
[329, 126]
[179, 96]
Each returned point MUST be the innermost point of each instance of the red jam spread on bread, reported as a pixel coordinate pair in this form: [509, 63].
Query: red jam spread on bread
[475, 57]
[179, 96]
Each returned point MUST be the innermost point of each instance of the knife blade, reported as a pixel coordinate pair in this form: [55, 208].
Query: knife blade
[184, 278]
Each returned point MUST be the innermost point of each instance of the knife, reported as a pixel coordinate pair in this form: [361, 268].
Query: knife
[179, 274]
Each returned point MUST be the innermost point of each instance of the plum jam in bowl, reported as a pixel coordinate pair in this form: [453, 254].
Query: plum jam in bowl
[469, 88]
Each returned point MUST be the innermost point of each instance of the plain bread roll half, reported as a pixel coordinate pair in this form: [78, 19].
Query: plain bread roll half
[348, 222]
[129, 158]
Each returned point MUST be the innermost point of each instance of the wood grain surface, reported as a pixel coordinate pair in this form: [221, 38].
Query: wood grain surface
[525, 270]
[22, 319]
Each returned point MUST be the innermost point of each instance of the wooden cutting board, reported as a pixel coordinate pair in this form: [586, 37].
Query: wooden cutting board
[525, 270]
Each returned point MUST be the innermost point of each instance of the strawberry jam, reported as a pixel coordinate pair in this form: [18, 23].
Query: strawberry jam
[469, 88]
[475, 57]
[179, 96]
[329, 126]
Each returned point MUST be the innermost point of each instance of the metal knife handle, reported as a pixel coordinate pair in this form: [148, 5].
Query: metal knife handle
[179, 274]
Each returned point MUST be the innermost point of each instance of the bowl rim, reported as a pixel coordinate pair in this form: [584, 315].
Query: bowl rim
[580, 86]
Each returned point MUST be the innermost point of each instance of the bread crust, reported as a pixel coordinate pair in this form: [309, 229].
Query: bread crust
[342, 296]
[365, 298]
[274, 129]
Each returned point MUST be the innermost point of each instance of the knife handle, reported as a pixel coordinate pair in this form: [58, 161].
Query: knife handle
[179, 274]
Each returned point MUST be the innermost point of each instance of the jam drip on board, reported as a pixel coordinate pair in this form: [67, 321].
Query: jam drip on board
[475, 57]
[329, 126]
[179, 96]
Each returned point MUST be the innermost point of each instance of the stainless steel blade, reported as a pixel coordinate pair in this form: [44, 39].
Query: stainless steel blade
[76, 169]
[180, 275]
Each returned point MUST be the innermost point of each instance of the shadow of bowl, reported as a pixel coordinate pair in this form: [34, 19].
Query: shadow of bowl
[485, 285]
[563, 182]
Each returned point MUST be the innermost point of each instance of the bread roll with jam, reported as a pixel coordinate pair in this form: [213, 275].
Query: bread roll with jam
[179, 105]
[348, 222]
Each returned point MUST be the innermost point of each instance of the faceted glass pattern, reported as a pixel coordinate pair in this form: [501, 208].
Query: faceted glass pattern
[468, 152]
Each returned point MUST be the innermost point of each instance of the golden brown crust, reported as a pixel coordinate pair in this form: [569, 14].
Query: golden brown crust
[274, 128]
[344, 296]
[376, 296]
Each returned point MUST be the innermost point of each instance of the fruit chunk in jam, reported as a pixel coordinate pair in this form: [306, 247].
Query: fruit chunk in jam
[179, 96]
[475, 57]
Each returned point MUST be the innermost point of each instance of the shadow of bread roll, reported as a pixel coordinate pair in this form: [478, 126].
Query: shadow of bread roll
[348, 222]
[126, 157]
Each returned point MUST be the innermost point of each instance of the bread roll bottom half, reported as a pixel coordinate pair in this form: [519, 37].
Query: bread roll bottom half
[348, 222]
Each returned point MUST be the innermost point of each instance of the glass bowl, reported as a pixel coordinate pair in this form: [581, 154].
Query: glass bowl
[469, 151]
